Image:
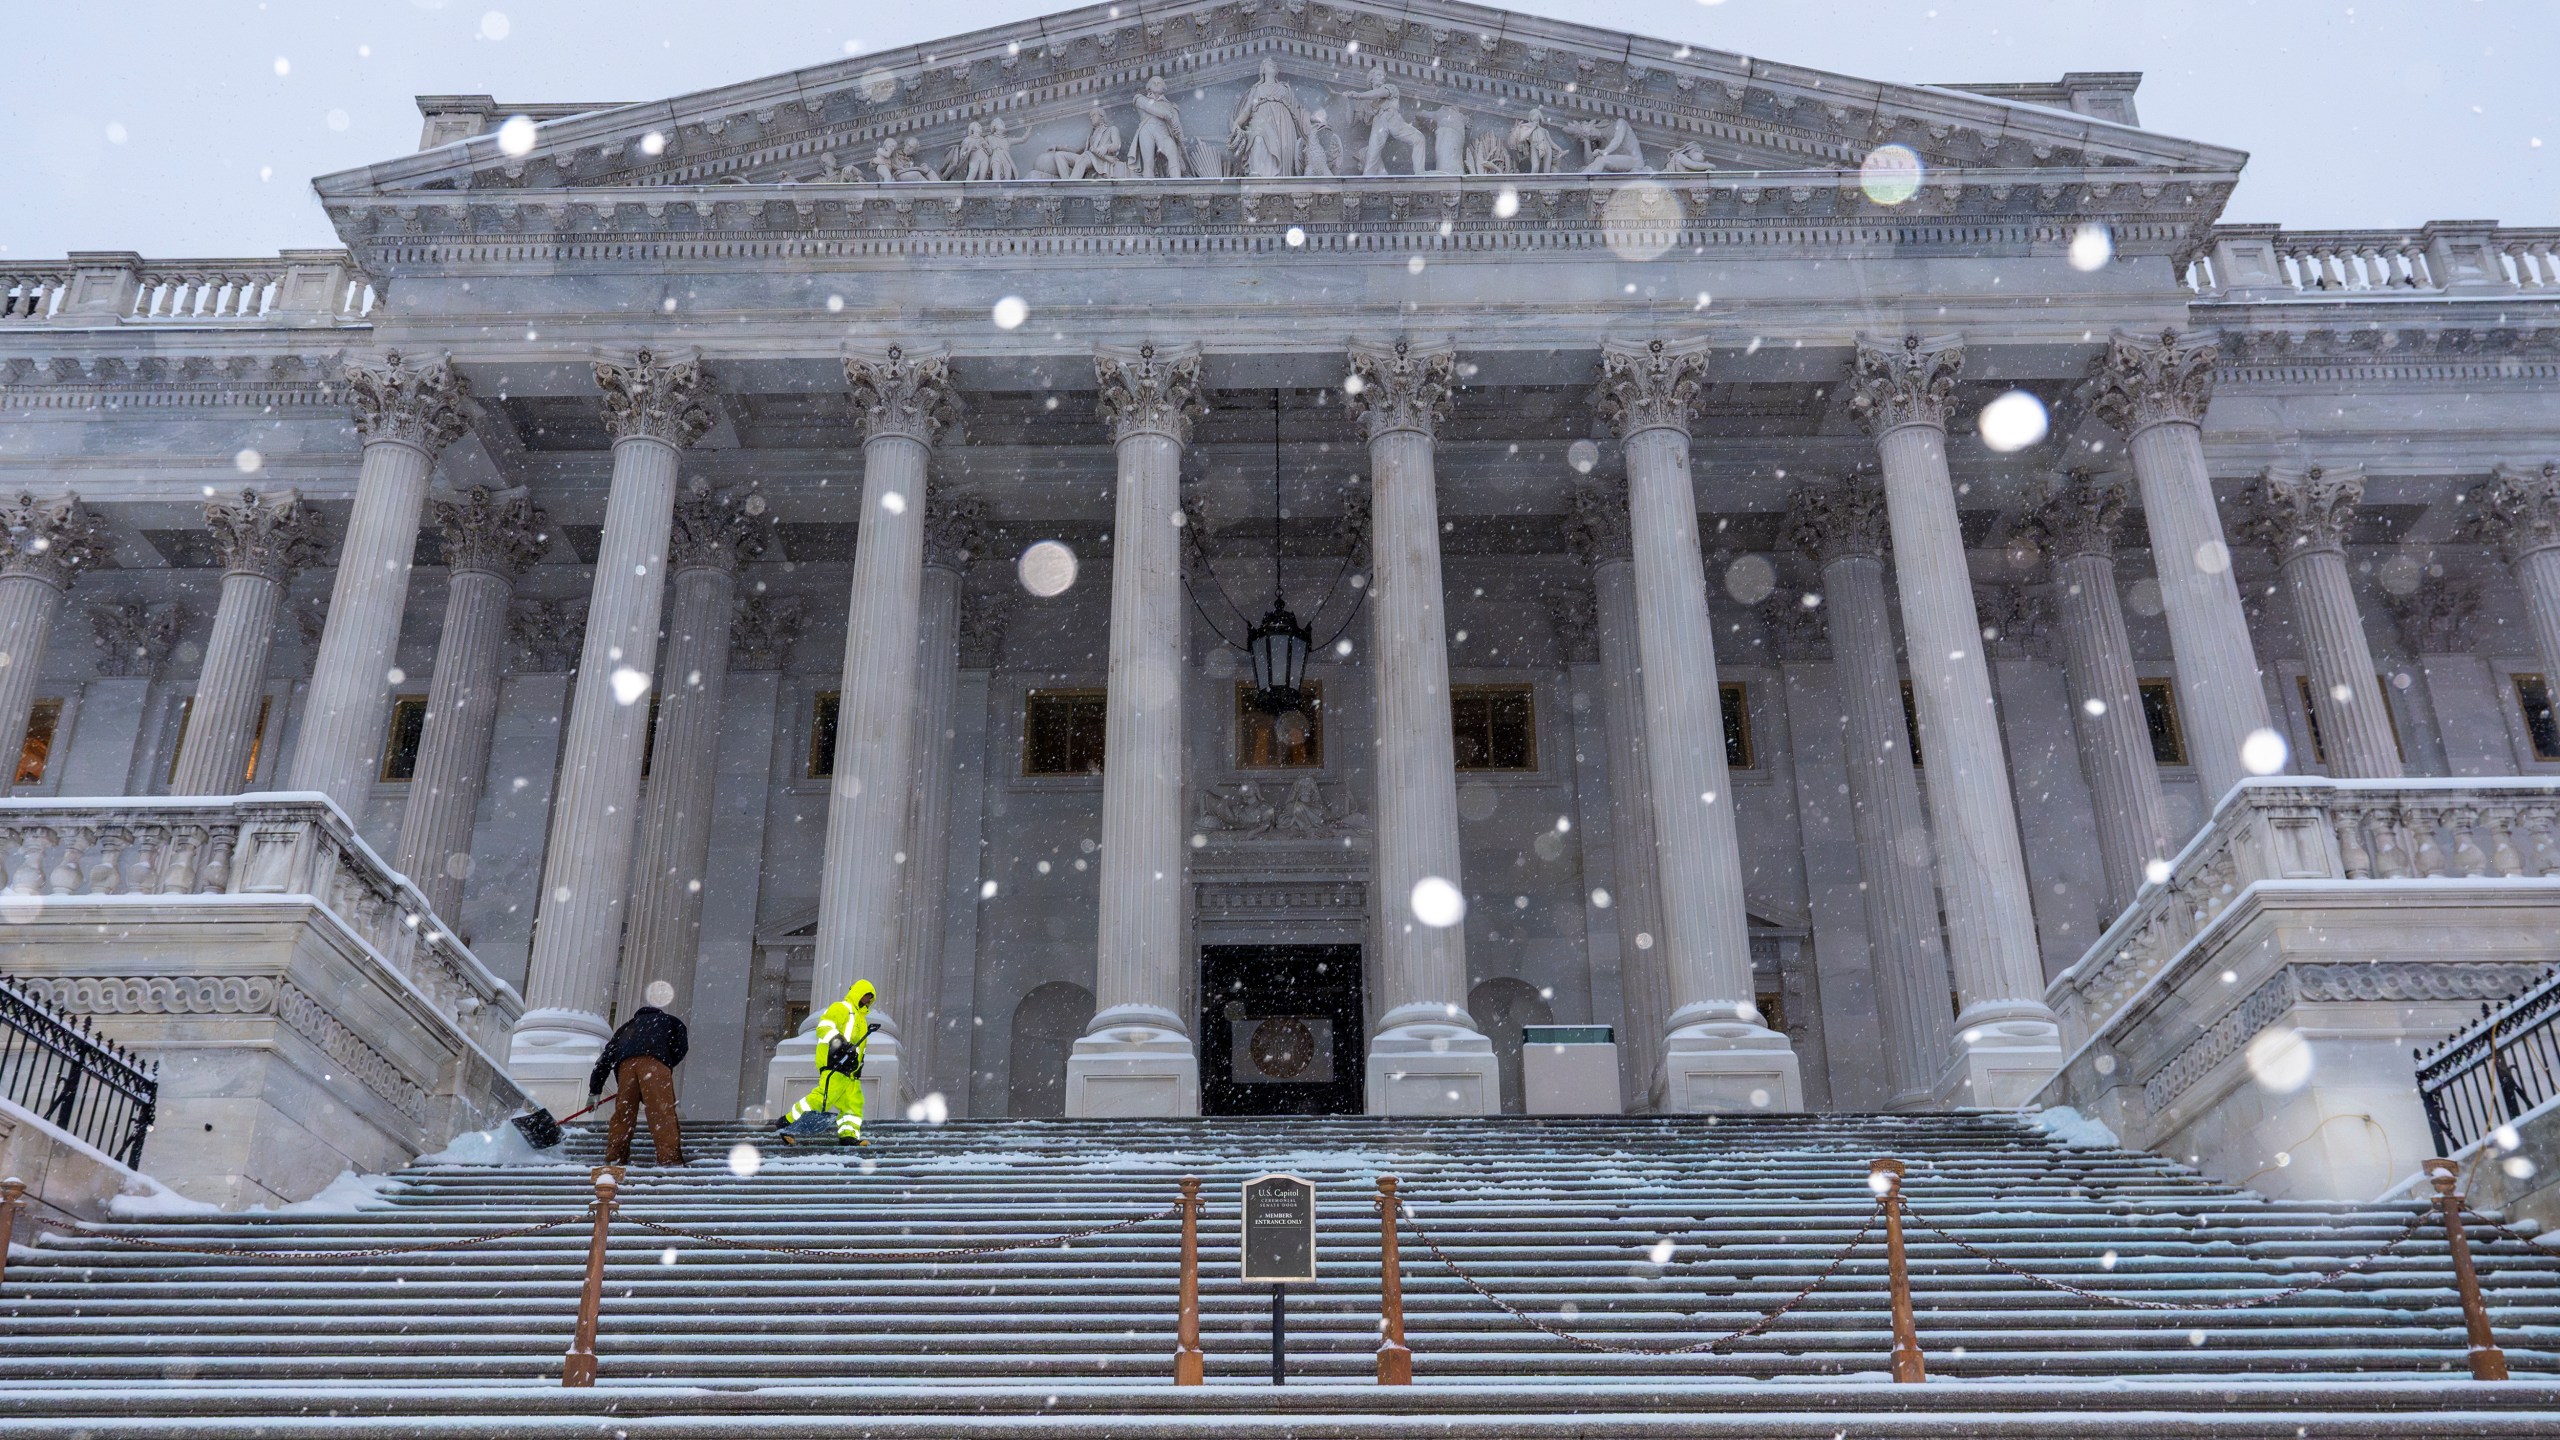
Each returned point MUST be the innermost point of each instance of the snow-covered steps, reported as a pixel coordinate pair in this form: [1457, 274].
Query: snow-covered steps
[1652, 1232]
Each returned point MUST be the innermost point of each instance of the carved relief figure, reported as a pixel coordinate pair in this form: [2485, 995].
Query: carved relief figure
[1272, 131]
[1689, 159]
[1534, 146]
[1448, 140]
[1159, 134]
[1307, 812]
[1609, 147]
[1000, 145]
[968, 159]
[1386, 123]
[1236, 808]
[1100, 156]
[896, 160]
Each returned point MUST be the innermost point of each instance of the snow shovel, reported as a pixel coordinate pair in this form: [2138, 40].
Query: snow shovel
[542, 1132]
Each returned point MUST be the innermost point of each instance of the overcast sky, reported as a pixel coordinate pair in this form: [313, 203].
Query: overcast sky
[192, 128]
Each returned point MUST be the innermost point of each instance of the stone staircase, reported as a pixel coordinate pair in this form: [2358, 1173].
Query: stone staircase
[1567, 1219]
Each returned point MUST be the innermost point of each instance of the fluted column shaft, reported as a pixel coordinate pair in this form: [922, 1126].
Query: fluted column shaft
[2115, 742]
[262, 539]
[28, 605]
[1647, 989]
[2537, 573]
[2355, 731]
[453, 745]
[674, 844]
[2522, 512]
[929, 808]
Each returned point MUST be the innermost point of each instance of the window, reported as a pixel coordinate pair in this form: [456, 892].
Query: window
[2160, 717]
[1911, 722]
[257, 736]
[1258, 747]
[42, 721]
[1495, 726]
[1736, 698]
[822, 736]
[400, 741]
[2311, 714]
[1062, 732]
[2533, 696]
[1773, 1009]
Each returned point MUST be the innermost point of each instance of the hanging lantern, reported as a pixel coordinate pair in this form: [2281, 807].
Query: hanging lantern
[1280, 646]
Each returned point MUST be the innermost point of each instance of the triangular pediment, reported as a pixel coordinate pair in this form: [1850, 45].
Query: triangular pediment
[1483, 90]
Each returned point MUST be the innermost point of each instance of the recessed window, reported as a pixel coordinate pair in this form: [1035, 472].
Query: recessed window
[1773, 1009]
[42, 722]
[1736, 698]
[2160, 718]
[1495, 726]
[400, 739]
[1259, 744]
[822, 735]
[1911, 722]
[2533, 696]
[1062, 732]
[257, 736]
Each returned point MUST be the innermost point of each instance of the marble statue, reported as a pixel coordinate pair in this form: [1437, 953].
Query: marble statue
[1099, 159]
[1536, 148]
[1160, 136]
[1272, 133]
[1609, 147]
[986, 152]
[1387, 123]
[1689, 159]
[897, 160]
[1236, 809]
[1448, 140]
[1488, 154]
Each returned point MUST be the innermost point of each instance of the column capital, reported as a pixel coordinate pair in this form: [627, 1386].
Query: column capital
[2079, 514]
[1838, 522]
[549, 632]
[134, 638]
[2523, 507]
[1574, 613]
[1400, 386]
[656, 396]
[1649, 386]
[764, 631]
[955, 527]
[1600, 529]
[271, 535]
[2303, 510]
[718, 529]
[2013, 616]
[397, 401]
[906, 392]
[2435, 616]
[494, 532]
[2138, 382]
[1149, 390]
[52, 539]
[1911, 381]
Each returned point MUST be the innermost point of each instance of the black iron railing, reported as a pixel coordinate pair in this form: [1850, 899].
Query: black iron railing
[2495, 1069]
[52, 1064]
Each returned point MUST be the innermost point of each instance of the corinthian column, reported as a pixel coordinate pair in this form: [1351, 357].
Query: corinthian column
[2156, 394]
[1716, 1053]
[2006, 1035]
[404, 414]
[713, 534]
[1136, 1058]
[2524, 515]
[2303, 515]
[653, 408]
[48, 542]
[903, 401]
[263, 540]
[954, 533]
[2078, 523]
[1601, 536]
[1843, 529]
[489, 540]
[1427, 1058]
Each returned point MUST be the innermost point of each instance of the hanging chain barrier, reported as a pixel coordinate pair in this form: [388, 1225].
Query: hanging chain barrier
[1715, 1343]
[876, 1257]
[2416, 1223]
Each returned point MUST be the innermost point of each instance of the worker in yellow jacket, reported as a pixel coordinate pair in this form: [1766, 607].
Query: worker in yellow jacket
[844, 1036]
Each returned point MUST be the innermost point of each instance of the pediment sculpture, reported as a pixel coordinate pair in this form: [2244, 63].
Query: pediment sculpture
[1250, 810]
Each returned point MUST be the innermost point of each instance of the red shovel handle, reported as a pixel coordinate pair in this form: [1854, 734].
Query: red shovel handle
[590, 1110]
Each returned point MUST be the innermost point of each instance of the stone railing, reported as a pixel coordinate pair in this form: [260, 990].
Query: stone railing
[2348, 832]
[297, 287]
[2262, 262]
[249, 845]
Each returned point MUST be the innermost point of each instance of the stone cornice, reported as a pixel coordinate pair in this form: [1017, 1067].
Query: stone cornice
[1910, 382]
[424, 406]
[657, 397]
[2305, 510]
[1401, 386]
[51, 539]
[903, 392]
[1146, 391]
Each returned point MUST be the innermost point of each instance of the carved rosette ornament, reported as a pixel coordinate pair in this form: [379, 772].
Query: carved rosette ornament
[898, 392]
[2524, 507]
[2435, 616]
[52, 539]
[494, 532]
[1148, 392]
[718, 529]
[1396, 387]
[2303, 512]
[1846, 521]
[271, 535]
[764, 631]
[1912, 382]
[655, 397]
[2080, 515]
[134, 639]
[2138, 383]
[423, 406]
[955, 528]
[1653, 386]
[1599, 529]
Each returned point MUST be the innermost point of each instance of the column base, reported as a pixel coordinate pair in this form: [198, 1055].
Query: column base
[1729, 1067]
[1133, 1071]
[551, 1053]
[1433, 1067]
[2001, 1064]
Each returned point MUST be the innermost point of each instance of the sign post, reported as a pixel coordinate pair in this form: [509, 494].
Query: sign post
[1279, 1250]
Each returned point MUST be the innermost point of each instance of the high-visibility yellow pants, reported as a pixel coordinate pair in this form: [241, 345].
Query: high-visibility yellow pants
[840, 1093]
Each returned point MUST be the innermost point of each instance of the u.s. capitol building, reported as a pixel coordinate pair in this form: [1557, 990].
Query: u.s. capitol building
[1233, 555]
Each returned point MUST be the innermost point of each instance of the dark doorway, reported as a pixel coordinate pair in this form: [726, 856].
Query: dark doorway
[1281, 1031]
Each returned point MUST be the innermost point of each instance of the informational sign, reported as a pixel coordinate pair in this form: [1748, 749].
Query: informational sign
[1279, 1230]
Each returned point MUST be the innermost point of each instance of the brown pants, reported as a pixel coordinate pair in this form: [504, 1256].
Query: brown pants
[646, 1082]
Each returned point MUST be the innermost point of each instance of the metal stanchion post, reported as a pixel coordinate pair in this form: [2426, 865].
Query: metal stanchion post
[1189, 1364]
[1885, 1176]
[2488, 1362]
[580, 1368]
[12, 1191]
[1395, 1362]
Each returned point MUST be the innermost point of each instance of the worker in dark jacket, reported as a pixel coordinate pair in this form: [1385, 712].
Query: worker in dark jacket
[642, 1058]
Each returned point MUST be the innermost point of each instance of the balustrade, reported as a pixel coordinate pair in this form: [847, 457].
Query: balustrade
[2326, 264]
[301, 286]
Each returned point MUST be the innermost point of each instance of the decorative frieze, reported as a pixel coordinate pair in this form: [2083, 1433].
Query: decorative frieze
[271, 536]
[659, 397]
[52, 539]
[2303, 510]
[426, 406]
[1653, 386]
[718, 529]
[1142, 391]
[898, 392]
[2138, 382]
[1248, 810]
[493, 532]
[1399, 387]
[1912, 382]
[1839, 522]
